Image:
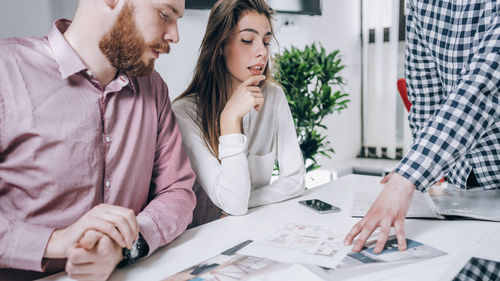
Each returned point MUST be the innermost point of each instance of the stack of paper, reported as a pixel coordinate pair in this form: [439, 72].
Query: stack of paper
[302, 252]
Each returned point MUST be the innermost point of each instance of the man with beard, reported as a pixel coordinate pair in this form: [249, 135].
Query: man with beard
[92, 171]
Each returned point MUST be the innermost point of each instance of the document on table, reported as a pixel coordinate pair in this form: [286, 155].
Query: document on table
[415, 251]
[438, 202]
[366, 263]
[299, 243]
[230, 266]
[475, 203]
[421, 205]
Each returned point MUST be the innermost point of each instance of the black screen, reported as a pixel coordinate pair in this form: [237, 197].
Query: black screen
[318, 205]
[308, 7]
[200, 4]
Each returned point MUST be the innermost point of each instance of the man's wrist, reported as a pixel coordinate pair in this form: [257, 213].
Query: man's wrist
[54, 248]
[140, 249]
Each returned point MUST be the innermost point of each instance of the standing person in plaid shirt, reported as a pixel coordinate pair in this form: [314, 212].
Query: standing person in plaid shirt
[453, 80]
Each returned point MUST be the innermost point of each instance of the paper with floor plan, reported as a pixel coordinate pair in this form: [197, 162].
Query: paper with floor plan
[299, 243]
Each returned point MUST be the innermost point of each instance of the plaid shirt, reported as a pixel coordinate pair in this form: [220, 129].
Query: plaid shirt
[453, 79]
[479, 269]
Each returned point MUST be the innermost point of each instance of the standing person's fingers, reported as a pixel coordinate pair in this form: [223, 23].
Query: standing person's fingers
[389, 209]
[382, 237]
[366, 232]
[356, 229]
[400, 234]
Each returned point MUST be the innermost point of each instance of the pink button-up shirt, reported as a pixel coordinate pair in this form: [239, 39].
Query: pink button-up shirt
[67, 144]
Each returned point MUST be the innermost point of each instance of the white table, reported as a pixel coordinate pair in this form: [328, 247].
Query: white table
[201, 243]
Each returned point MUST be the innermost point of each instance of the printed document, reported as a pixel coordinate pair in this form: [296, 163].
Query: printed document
[298, 243]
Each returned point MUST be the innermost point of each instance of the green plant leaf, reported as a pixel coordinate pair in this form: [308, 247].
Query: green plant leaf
[313, 85]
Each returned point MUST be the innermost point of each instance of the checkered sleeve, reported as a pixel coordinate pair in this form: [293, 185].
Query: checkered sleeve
[445, 128]
[479, 269]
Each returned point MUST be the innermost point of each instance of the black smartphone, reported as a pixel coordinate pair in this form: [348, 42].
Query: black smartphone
[320, 206]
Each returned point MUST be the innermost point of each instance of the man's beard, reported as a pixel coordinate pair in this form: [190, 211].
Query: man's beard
[124, 45]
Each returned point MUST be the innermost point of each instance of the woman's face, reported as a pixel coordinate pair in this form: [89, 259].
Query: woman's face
[246, 52]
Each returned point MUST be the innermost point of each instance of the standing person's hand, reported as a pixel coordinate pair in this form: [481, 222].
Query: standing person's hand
[245, 97]
[95, 261]
[386, 178]
[388, 210]
[118, 223]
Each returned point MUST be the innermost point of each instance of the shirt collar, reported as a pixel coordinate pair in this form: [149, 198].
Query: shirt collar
[66, 57]
[131, 83]
[124, 80]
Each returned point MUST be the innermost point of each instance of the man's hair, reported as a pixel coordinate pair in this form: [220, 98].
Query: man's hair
[211, 80]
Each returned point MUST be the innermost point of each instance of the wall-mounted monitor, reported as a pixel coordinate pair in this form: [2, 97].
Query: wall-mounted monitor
[306, 7]
[200, 4]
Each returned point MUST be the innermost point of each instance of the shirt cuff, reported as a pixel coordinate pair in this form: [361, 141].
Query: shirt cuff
[28, 247]
[150, 233]
[419, 169]
[232, 144]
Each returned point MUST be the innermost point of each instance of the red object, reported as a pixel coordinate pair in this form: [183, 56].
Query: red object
[404, 93]
[404, 96]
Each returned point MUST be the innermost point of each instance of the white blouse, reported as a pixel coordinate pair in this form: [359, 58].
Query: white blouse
[242, 178]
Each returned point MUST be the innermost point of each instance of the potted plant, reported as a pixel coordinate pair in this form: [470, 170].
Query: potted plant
[313, 86]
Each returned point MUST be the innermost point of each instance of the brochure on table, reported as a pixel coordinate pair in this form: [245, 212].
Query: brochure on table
[230, 266]
[303, 250]
[299, 243]
[438, 202]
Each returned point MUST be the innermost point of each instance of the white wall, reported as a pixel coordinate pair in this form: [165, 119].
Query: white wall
[24, 17]
[177, 67]
[337, 28]
[32, 17]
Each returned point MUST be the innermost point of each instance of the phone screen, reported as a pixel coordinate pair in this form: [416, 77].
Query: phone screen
[320, 206]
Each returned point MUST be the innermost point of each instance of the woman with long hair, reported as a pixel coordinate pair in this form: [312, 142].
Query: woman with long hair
[234, 121]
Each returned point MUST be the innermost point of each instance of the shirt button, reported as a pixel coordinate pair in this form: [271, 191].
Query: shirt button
[108, 139]
[108, 183]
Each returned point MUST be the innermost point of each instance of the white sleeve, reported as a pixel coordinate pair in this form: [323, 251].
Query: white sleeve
[227, 183]
[291, 164]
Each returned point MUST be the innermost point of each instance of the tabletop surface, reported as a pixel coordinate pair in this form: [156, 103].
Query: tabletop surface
[206, 241]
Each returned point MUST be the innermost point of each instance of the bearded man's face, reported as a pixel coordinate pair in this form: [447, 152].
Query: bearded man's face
[126, 48]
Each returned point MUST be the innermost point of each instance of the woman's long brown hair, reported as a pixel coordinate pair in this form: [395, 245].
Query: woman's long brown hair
[210, 83]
